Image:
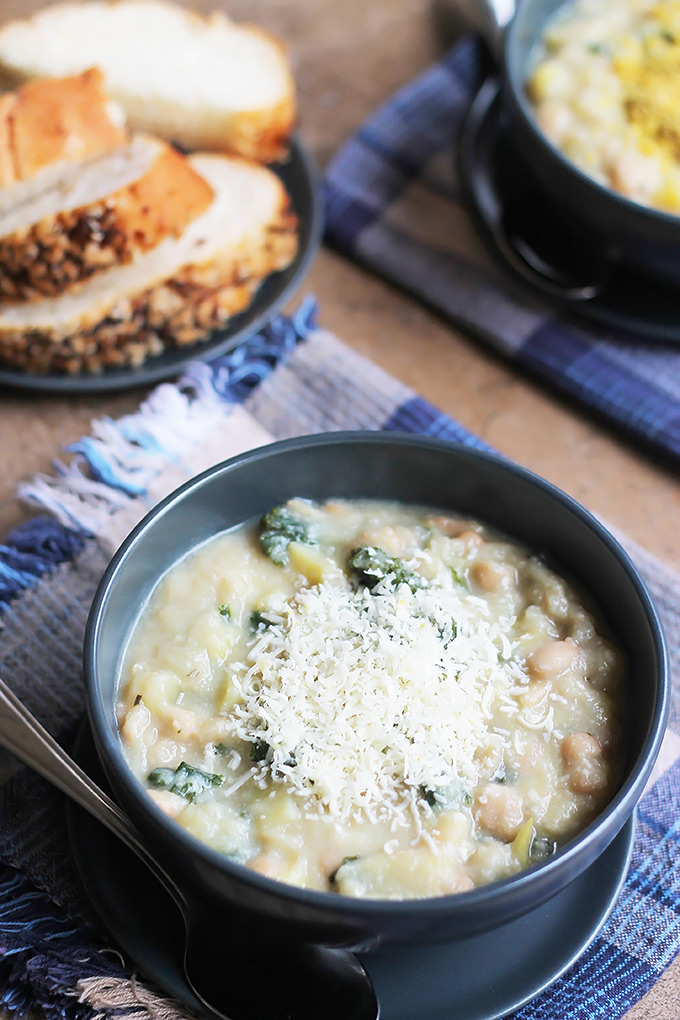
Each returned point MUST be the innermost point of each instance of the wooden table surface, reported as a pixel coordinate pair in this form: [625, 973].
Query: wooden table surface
[350, 56]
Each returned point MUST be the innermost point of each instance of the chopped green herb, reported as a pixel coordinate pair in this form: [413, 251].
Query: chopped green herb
[221, 748]
[458, 577]
[668, 36]
[258, 619]
[291, 761]
[138, 699]
[445, 797]
[186, 780]
[448, 630]
[225, 611]
[259, 749]
[429, 796]
[600, 48]
[162, 778]
[279, 528]
[370, 565]
[345, 860]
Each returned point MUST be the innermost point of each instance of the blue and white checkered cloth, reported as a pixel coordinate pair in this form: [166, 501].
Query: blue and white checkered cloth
[394, 204]
[290, 380]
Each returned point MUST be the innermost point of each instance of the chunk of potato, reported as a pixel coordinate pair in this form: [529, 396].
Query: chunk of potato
[291, 869]
[277, 822]
[215, 634]
[168, 802]
[385, 875]
[231, 695]
[220, 827]
[310, 562]
[158, 689]
[135, 723]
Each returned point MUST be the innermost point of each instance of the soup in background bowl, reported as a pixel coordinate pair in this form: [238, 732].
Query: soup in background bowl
[373, 699]
[605, 87]
[414, 472]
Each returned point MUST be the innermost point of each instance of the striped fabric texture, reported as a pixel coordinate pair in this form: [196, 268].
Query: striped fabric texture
[291, 380]
[394, 204]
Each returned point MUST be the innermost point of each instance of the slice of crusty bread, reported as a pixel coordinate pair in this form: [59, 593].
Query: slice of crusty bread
[204, 82]
[94, 215]
[46, 123]
[174, 294]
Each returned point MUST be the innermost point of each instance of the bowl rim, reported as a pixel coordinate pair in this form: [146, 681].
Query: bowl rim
[522, 105]
[611, 818]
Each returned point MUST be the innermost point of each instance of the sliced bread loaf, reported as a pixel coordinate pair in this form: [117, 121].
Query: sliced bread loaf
[47, 123]
[204, 82]
[176, 293]
[56, 234]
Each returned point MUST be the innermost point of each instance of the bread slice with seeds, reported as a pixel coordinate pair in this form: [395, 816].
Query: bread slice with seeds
[174, 294]
[56, 234]
[202, 81]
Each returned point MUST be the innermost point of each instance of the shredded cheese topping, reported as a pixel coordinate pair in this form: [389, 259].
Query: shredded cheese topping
[366, 700]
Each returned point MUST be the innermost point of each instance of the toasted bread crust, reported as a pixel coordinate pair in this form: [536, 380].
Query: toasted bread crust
[7, 170]
[55, 119]
[63, 118]
[180, 311]
[63, 251]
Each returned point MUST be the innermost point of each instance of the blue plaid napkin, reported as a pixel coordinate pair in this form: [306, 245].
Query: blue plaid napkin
[289, 380]
[394, 204]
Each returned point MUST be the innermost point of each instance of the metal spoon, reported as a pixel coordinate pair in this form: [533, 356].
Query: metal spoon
[254, 980]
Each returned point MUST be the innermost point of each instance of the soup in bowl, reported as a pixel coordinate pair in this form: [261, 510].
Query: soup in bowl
[373, 699]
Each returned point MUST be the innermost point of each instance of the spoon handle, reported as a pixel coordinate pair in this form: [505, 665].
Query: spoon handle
[28, 740]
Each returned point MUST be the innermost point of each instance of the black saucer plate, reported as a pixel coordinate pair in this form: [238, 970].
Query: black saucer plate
[499, 186]
[443, 982]
[300, 179]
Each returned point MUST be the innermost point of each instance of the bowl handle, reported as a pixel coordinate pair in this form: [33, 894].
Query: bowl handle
[526, 261]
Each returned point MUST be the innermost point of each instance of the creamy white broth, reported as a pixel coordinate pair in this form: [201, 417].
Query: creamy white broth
[399, 703]
[606, 91]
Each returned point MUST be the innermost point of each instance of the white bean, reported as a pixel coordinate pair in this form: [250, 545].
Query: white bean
[499, 811]
[552, 659]
[582, 758]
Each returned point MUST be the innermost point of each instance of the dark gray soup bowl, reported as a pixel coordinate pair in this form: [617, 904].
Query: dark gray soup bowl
[394, 467]
[644, 237]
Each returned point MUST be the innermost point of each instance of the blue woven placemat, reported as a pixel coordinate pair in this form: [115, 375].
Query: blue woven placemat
[290, 380]
[393, 203]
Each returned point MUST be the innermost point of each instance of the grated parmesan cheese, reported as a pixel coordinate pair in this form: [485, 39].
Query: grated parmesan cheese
[367, 698]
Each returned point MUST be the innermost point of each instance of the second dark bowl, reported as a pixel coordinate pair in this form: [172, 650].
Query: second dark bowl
[393, 467]
[646, 238]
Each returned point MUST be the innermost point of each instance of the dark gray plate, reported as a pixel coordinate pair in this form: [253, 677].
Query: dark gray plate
[300, 179]
[443, 982]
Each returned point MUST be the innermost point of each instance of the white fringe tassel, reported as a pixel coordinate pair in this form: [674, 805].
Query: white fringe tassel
[128, 998]
[141, 457]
